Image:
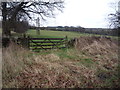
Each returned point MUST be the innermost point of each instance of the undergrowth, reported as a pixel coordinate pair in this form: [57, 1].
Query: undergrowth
[65, 68]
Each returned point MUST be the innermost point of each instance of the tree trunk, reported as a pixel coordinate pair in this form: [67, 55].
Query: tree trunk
[5, 27]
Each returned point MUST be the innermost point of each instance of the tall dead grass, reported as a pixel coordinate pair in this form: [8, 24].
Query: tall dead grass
[104, 51]
[21, 68]
[14, 60]
[24, 69]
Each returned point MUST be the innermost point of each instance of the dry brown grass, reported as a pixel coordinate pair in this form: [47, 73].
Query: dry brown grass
[14, 59]
[51, 71]
[104, 50]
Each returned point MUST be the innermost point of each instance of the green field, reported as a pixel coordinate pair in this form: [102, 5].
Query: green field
[54, 34]
[60, 34]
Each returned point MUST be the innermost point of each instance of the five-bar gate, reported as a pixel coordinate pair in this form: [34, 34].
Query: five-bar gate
[37, 44]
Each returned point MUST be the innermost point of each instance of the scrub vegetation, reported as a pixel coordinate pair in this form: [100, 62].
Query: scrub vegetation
[91, 63]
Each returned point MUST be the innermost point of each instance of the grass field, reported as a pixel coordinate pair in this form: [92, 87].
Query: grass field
[55, 34]
[59, 34]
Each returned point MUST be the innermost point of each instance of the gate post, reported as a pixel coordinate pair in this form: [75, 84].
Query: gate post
[25, 41]
[66, 41]
[28, 42]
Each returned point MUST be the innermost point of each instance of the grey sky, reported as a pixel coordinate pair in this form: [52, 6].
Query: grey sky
[85, 13]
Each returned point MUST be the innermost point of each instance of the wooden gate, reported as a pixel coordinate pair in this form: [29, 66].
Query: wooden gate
[37, 44]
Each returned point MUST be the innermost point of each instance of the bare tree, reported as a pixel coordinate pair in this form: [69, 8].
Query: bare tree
[115, 17]
[115, 20]
[13, 12]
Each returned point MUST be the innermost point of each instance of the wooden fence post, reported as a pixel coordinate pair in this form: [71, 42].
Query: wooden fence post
[28, 42]
[25, 41]
[66, 41]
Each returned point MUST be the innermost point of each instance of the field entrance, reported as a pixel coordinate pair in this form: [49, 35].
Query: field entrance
[37, 44]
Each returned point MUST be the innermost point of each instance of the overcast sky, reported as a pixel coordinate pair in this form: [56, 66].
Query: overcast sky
[85, 13]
